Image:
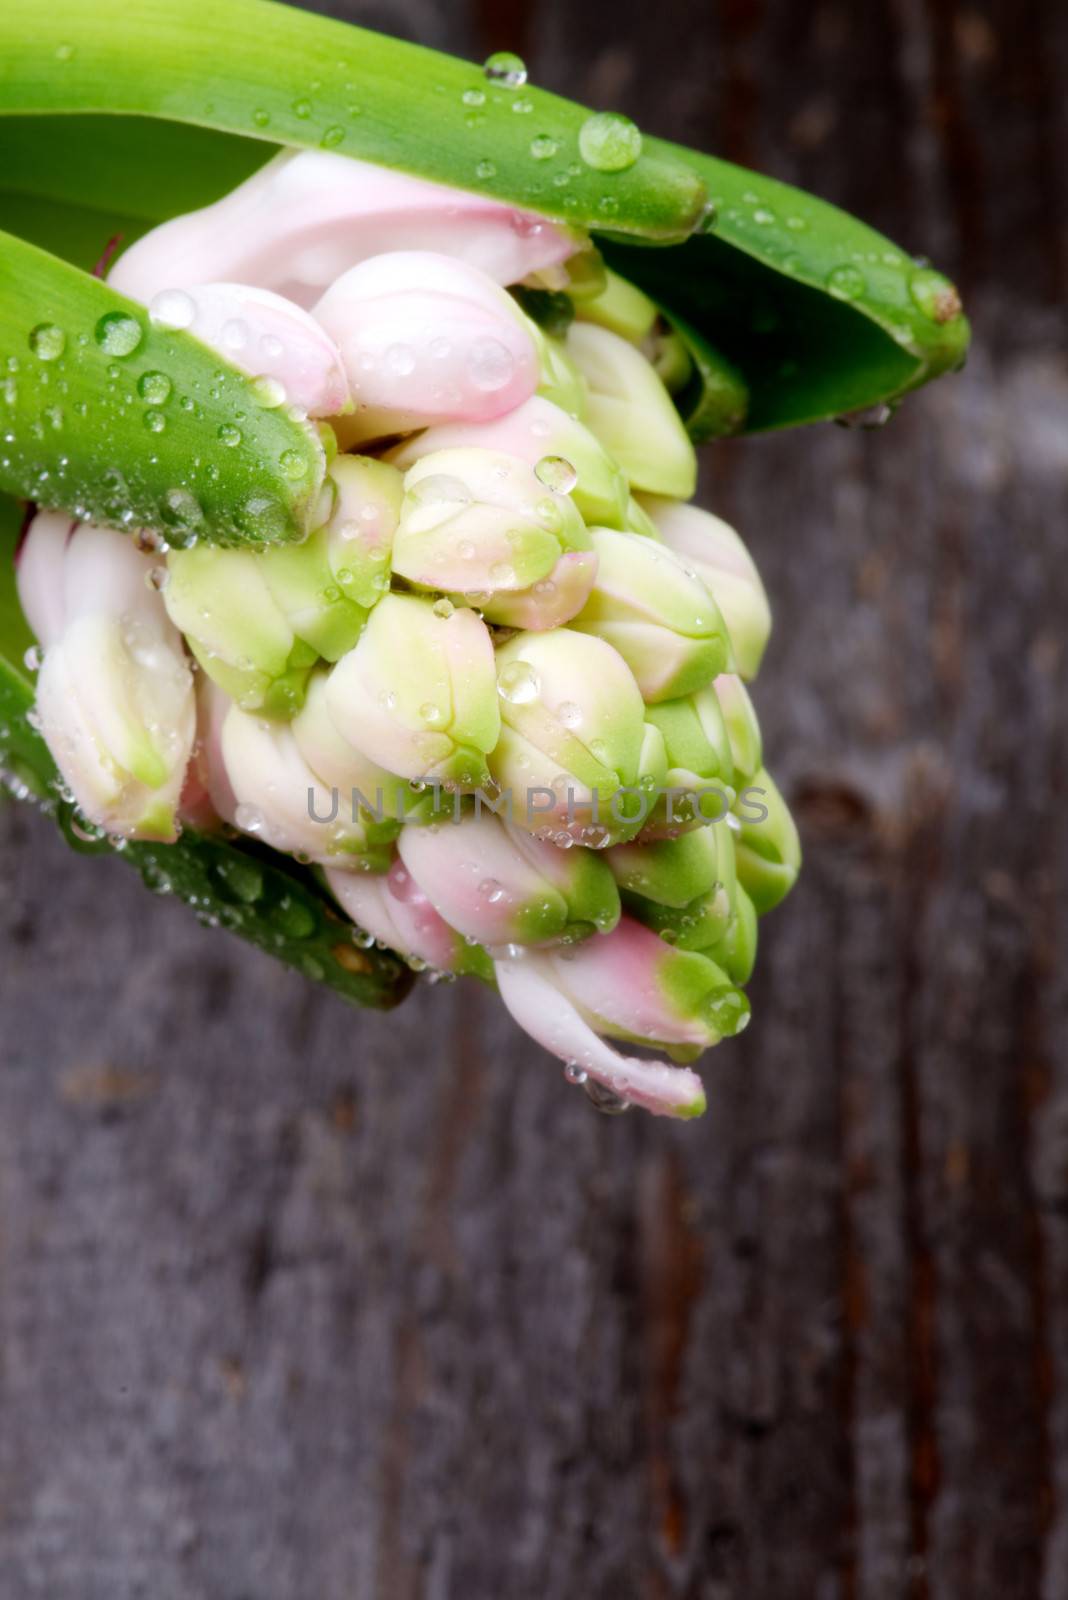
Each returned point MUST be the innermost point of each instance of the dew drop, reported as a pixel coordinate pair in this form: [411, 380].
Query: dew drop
[430, 713]
[267, 392]
[443, 607]
[728, 1011]
[400, 360]
[486, 169]
[605, 1100]
[172, 308]
[935, 296]
[302, 109]
[505, 69]
[260, 117]
[473, 97]
[118, 333]
[230, 435]
[332, 137]
[609, 142]
[293, 464]
[33, 658]
[574, 1073]
[518, 683]
[846, 283]
[557, 474]
[48, 341]
[543, 147]
[155, 421]
[248, 819]
[489, 365]
[155, 387]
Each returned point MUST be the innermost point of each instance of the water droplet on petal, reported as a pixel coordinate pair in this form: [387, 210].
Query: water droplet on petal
[293, 464]
[518, 683]
[172, 308]
[248, 819]
[605, 1100]
[400, 360]
[574, 1073]
[486, 169]
[556, 473]
[490, 365]
[155, 421]
[230, 435]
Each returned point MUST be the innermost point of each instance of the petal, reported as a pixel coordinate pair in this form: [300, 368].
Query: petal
[425, 338]
[527, 988]
[307, 216]
[266, 335]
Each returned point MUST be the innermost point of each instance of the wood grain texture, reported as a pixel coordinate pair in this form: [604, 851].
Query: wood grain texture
[299, 1302]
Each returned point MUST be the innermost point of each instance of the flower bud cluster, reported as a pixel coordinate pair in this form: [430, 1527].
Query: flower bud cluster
[498, 695]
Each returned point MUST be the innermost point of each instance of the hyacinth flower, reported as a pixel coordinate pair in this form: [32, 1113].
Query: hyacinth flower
[364, 608]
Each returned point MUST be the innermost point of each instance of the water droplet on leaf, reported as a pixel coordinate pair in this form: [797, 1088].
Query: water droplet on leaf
[48, 341]
[609, 142]
[118, 333]
[505, 69]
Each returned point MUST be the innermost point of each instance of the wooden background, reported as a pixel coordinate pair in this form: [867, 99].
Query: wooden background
[303, 1304]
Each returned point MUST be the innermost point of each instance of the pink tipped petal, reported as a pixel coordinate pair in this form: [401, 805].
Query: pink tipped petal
[425, 339]
[527, 988]
[617, 978]
[394, 909]
[271, 337]
[39, 574]
[473, 874]
[309, 215]
[552, 602]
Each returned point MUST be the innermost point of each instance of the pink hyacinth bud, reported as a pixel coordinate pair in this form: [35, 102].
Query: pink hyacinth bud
[425, 339]
[115, 696]
[499, 885]
[629, 985]
[268, 336]
[308, 215]
[394, 910]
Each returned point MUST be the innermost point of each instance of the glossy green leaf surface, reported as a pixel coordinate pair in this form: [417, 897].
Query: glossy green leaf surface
[818, 314]
[115, 418]
[229, 883]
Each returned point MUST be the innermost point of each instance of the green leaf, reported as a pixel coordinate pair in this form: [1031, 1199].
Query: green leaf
[266, 899]
[820, 314]
[715, 402]
[293, 78]
[115, 418]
